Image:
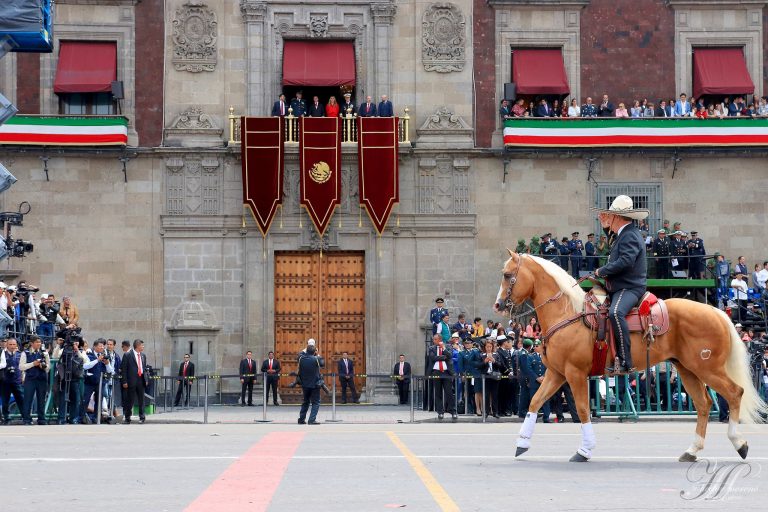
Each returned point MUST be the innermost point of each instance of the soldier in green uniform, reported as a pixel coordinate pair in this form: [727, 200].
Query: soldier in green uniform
[665, 227]
[603, 249]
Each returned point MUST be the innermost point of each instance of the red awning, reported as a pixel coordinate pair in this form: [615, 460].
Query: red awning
[86, 67]
[720, 71]
[323, 63]
[539, 71]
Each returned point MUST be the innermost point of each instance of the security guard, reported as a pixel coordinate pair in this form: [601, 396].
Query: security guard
[679, 251]
[548, 247]
[299, 105]
[436, 314]
[535, 246]
[506, 367]
[520, 359]
[662, 249]
[591, 251]
[562, 247]
[535, 370]
[521, 247]
[696, 251]
[576, 250]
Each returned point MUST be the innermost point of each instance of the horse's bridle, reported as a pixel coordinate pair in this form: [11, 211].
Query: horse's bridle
[508, 303]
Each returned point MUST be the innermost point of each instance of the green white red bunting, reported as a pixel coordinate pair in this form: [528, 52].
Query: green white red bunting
[65, 131]
[612, 132]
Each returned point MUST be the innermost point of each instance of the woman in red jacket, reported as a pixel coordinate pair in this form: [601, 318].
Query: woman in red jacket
[332, 108]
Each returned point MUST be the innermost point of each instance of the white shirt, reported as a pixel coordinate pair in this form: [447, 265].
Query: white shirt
[574, 111]
[762, 277]
[741, 289]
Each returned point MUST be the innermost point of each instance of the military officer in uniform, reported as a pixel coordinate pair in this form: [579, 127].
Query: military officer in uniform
[504, 353]
[625, 273]
[562, 247]
[521, 247]
[591, 250]
[548, 248]
[665, 227]
[436, 314]
[347, 105]
[662, 249]
[299, 105]
[535, 370]
[520, 359]
[576, 250]
[696, 251]
[679, 252]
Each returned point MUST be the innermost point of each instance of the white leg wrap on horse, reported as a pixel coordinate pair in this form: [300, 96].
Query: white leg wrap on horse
[734, 435]
[588, 440]
[526, 431]
[696, 446]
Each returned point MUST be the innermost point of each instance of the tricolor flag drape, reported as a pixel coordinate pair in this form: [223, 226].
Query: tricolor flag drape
[643, 132]
[65, 131]
[377, 167]
[319, 166]
[262, 156]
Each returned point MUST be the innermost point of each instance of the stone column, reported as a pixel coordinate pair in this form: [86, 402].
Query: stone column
[383, 15]
[258, 76]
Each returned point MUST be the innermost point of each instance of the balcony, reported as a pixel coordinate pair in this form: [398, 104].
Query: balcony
[349, 128]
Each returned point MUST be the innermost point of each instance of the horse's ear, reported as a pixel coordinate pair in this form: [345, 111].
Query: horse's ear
[512, 254]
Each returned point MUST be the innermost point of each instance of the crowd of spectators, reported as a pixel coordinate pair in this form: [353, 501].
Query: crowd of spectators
[701, 108]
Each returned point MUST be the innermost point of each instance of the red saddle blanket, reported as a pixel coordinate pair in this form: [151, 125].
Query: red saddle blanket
[651, 313]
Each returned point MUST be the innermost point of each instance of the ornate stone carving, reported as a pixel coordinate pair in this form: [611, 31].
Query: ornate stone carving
[192, 187]
[383, 14]
[443, 129]
[443, 36]
[318, 25]
[194, 38]
[193, 119]
[445, 119]
[443, 186]
[317, 242]
[193, 127]
[253, 12]
[349, 191]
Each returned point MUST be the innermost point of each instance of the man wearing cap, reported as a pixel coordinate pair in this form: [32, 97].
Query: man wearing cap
[695, 252]
[534, 371]
[665, 227]
[576, 250]
[662, 250]
[347, 107]
[506, 367]
[469, 367]
[548, 247]
[299, 105]
[436, 314]
[625, 272]
[562, 248]
[591, 251]
[440, 365]
[521, 362]
[679, 251]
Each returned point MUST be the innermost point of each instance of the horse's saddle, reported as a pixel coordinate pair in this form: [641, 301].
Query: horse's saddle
[651, 313]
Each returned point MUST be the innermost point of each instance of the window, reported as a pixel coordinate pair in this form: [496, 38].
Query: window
[644, 195]
[86, 104]
[84, 77]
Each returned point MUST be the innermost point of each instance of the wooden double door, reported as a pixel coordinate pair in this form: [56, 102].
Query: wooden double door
[321, 297]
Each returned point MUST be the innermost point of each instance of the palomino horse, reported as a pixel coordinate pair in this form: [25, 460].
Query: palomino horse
[701, 342]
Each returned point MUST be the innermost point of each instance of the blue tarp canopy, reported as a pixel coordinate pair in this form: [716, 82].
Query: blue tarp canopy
[27, 25]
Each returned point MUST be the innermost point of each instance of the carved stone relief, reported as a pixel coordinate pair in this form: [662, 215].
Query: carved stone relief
[193, 186]
[193, 127]
[445, 128]
[318, 25]
[194, 38]
[443, 37]
[443, 185]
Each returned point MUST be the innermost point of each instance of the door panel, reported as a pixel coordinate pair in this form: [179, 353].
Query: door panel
[322, 298]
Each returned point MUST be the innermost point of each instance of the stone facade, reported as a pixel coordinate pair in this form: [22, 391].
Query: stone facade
[134, 255]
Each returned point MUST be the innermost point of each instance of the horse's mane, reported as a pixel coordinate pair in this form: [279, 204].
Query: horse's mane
[564, 281]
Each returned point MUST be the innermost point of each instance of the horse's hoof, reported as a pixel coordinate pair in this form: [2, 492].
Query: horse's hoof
[743, 450]
[687, 457]
[577, 457]
[520, 451]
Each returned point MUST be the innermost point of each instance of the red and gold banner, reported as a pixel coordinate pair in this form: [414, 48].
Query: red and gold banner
[378, 172]
[262, 156]
[320, 167]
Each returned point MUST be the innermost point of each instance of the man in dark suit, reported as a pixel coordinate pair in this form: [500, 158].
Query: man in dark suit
[186, 374]
[605, 109]
[624, 273]
[134, 379]
[402, 374]
[271, 367]
[440, 368]
[316, 109]
[299, 105]
[543, 109]
[247, 376]
[367, 109]
[347, 105]
[505, 111]
[663, 110]
[385, 107]
[346, 372]
[280, 108]
[309, 374]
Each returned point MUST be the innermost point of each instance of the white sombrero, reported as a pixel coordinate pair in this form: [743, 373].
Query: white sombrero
[623, 206]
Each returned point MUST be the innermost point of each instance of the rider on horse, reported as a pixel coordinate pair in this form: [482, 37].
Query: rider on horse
[624, 273]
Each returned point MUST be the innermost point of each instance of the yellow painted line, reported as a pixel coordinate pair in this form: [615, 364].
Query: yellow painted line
[437, 491]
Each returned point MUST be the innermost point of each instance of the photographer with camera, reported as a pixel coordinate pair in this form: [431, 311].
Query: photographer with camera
[10, 380]
[311, 382]
[48, 315]
[35, 365]
[69, 378]
[98, 364]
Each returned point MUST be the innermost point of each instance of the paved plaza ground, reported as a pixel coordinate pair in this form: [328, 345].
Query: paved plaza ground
[370, 462]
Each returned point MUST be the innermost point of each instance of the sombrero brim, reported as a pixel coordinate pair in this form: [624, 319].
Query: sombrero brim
[636, 214]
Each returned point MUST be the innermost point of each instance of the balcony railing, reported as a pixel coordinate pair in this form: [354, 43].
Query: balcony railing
[348, 134]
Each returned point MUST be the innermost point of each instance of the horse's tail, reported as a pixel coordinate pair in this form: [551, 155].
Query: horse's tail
[753, 409]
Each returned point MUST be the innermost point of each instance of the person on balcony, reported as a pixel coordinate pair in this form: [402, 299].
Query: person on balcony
[543, 109]
[664, 110]
[299, 105]
[606, 108]
[385, 108]
[622, 111]
[280, 108]
[518, 109]
[574, 110]
[316, 109]
[347, 106]
[589, 109]
[367, 109]
[682, 107]
[332, 108]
